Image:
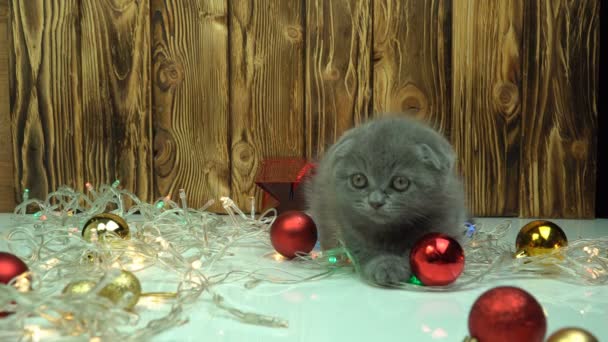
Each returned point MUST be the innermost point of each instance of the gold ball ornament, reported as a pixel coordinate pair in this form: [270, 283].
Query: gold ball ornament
[106, 223]
[539, 237]
[79, 287]
[123, 284]
[572, 335]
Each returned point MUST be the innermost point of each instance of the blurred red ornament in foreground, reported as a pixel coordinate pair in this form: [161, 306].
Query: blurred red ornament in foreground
[293, 231]
[10, 268]
[507, 314]
[437, 259]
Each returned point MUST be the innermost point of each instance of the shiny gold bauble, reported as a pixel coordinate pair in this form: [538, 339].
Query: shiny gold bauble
[572, 335]
[539, 237]
[106, 223]
[123, 284]
[79, 287]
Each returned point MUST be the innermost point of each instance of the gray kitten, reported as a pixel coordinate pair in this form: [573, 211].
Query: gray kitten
[382, 186]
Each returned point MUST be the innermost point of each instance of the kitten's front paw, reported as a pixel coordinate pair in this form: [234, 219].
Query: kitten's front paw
[387, 270]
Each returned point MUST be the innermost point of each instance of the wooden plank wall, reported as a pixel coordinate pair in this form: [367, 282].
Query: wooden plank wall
[338, 73]
[7, 186]
[561, 61]
[412, 49]
[46, 110]
[115, 84]
[267, 79]
[190, 92]
[486, 109]
[171, 94]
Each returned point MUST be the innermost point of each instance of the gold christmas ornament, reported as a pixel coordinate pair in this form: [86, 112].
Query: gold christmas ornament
[572, 335]
[125, 283]
[106, 223]
[79, 287]
[539, 237]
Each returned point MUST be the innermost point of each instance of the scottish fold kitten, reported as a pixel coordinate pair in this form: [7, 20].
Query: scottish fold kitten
[382, 186]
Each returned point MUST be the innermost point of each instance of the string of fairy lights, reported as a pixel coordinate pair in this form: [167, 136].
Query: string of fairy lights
[90, 254]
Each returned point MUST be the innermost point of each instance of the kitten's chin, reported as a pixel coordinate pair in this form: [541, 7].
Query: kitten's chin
[377, 218]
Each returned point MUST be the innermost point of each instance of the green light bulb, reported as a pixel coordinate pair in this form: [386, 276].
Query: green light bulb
[414, 280]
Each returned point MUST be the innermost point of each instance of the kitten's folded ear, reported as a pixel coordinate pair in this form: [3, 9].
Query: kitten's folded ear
[343, 145]
[440, 160]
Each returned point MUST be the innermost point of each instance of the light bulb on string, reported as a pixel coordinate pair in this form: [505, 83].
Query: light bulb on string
[182, 197]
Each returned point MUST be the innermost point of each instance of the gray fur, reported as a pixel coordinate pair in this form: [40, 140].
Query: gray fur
[380, 239]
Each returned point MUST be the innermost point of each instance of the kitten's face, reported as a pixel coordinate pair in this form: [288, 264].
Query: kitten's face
[383, 193]
[385, 181]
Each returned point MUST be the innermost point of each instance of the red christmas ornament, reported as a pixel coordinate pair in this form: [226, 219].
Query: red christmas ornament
[506, 314]
[10, 267]
[437, 259]
[293, 231]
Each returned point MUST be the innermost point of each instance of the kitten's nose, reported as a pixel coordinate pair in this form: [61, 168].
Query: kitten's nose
[376, 205]
[376, 199]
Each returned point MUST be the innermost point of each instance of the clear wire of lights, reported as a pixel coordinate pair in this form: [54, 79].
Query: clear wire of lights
[188, 247]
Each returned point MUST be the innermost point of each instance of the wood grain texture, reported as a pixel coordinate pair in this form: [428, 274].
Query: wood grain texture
[7, 187]
[170, 94]
[559, 113]
[45, 95]
[486, 114]
[338, 74]
[267, 87]
[190, 110]
[411, 56]
[116, 123]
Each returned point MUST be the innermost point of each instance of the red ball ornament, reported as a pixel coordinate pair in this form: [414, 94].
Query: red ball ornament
[506, 314]
[10, 268]
[291, 232]
[437, 259]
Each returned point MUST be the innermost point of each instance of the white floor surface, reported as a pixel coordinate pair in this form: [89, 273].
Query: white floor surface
[344, 309]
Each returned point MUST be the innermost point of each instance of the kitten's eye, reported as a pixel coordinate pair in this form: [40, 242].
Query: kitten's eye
[401, 183]
[358, 180]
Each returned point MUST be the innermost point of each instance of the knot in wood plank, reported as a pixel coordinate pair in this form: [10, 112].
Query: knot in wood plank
[169, 75]
[413, 99]
[580, 150]
[164, 153]
[331, 73]
[506, 98]
[244, 157]
[294, 34]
